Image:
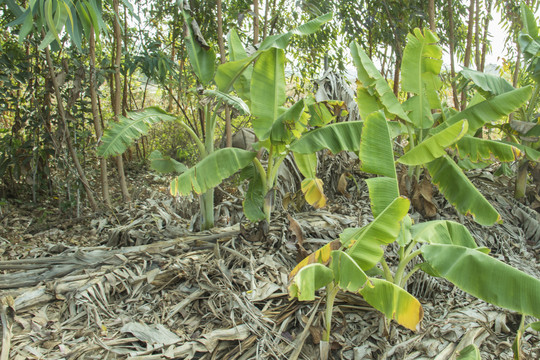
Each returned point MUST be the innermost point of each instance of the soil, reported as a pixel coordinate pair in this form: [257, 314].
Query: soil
[136, 282]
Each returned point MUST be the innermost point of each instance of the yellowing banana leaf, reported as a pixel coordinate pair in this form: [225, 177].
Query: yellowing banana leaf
[382, 191]
[434, 146]
[394, 302]
[374, 83]
[364, 244]
[470, 352]
[321, 256]
[287, 127]
[443, 232]
[530, 153]
[485, 277]
[491, 110]
[477, 150]
[347, 274]
[211, 171]
[307, 164]
[460, 192]
[344, 136]
[312, 188]
[376, 152]
[308, 280]
[267, 90]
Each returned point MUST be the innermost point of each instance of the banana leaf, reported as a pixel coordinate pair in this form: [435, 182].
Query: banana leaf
[486, 150]
[491, 110]
[237, 52]
[364, 244]
[282, 40]
[267, 91]
[382, 191]
[321, 256]
[236, 73]
[128, 129]
[443, 232]
[394, 302]
[485, 277]
[164, 164]
[434, 146]
[489, 85]
[211, 171]
[312, 188]
[375, 84]
[288, 126]
[376, 152]
[347, 274]
[460, 192]
[419, 111]
[530, 153]
[344, 136]
[307, 164]
[229, 99]
[201, 57]
[309, 279]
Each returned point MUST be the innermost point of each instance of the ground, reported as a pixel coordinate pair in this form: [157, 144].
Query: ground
[137, 283]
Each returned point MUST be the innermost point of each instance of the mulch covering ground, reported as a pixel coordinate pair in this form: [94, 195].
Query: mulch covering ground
[136, 283]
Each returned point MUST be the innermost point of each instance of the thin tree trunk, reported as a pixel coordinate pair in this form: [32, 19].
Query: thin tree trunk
[468, 49]
[71, 149]
[431, 14]
[452, 41]
[228, 126]
[95, 116]
[477, 57]
[265, 25]
[255, 22]
[117, 99]
[489, 3]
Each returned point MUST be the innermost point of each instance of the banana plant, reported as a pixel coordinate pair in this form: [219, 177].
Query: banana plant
[213, 166]
[447, 248]
[432, 131]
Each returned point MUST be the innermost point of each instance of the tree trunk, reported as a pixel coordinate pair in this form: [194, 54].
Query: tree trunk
[95, 116]
[477, 58]
[117, 100]
[468, 49]
[489, 3]
[452, 41]
[431, 15]
[70, 147]
[265, 25]
[228, 126]
[255, 22]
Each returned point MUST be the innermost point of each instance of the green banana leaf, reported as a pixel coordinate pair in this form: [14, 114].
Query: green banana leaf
[236, 73]
[267, 91]
[201, 57]
[421, 66]
[364, 244]
[535, 326]
[443, 232]
[229, 99]
[376, 152]
[307, 164]
[470, 352]
[374, 84]
[321, 256]
[128, 129]
[164, 164]
[253, 203]
[237, 52]
[347, 274]
[382, 191]
[211, 171]
[434, 146]
[477, 150]
[491, 110]
[530, 153]
[309, 279]
[394, 302]
[460, 192]
[485, 277]
[344, 136]
[282, 40]
[488, 84]
[288, 126]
